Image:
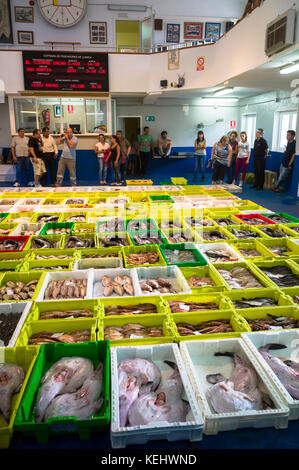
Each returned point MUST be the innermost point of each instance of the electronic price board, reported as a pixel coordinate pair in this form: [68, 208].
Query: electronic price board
[65, 71]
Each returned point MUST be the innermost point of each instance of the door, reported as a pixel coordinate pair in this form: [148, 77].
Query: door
[130, 126]
[146, 34]
[127, 36]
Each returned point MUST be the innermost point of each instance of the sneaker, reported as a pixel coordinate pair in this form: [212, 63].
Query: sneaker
[17, 185]
[241, 184]
[38, 186]
[31, 183]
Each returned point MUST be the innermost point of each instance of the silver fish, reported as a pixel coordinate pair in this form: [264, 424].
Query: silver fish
[11, 381]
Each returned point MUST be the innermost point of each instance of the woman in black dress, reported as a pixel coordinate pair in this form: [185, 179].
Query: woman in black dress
[115, 159]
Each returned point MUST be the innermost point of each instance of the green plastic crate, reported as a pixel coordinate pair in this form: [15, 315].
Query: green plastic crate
[150, 234]
[3, 216]
[143, 249]
[199, 259]
[57, 225]
[24, 357]
[204, 271]
[25, 278]
[46, 264]
[286, 216]
[161, 199]
[49, 354]
[79, 304]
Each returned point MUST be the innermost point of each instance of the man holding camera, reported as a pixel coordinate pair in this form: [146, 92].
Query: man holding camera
[68, 156]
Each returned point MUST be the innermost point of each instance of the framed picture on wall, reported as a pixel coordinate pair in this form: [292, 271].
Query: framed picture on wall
[193, 30]
[213, 31]
[25, 37]
[5, 22]
[24, 15]
[173, 33]
[98, 32]
[173, 59]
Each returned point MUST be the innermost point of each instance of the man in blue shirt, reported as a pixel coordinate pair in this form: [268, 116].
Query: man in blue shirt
[287, 163]
[68, 156]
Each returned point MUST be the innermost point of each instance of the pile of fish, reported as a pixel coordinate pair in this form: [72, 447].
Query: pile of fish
[106, 255]
[71, 387]
[146, 257]
[37, 256]
[274, 233]
[8, 202]
[287, 371]
[116, 240]
[66, 289]
[179, 256]
[239, 278]
[5, 232]
[282, 276]
[77, 242]
[120, 285]
[295, 228]
[41, 243]
[170, 224]
[220, 255]
[243, 391]
[272, 323]
[225, 221]
[255, 302]
[135, 225]
[278, 219]
[138, 309]
[254, 221]
[47, 218]
[158, 286]
[205, 328]
[52, 314]
[74, 201]
[11, 380]
[76, 218]
[115, 225]
[212, 235]
[195, 281]
[46, 337]
[8, 324]
[198, 222]
[17, 290]
[180, 306]
[48, 268]
[132, 331]
[52, 202]
[58, 231]
[11, 245]
[144, 238]
[249, 253]
[144, 398]
[245, 233]
[278, 250]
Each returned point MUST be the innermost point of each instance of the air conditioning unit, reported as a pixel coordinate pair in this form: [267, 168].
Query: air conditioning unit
[280, 33]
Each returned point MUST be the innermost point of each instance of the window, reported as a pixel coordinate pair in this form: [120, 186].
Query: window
[249, 126]
[283, 121]
[25, 114]
[47, 114]
[96, 116]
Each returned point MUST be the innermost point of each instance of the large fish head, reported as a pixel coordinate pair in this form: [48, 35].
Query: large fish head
[48, 391]
[128, 394]
[244, 376]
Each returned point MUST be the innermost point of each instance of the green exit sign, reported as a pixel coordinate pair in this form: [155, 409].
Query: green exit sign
[150, 118]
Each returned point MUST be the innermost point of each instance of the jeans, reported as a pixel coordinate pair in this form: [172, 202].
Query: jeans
[199, 160]
[103, 169]
[284, 174]
[49, 162]
[115, 169]
[123, 170]
[22, 162]
[231, 169]
[64, 163]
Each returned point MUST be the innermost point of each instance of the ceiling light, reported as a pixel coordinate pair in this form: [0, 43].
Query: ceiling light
[212, 100]
[223, 91]
[28, 112]
[127, 7]
[290, 69]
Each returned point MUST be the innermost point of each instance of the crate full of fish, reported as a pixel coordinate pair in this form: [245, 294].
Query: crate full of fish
[16, 287]
[281, 218]
[278, 231]
[281, 247]
[145, 255]
[136, 224]
[280, 273]
[81, 241]
[254, 219]
[232, 389]
[162, 281]
[44, 242]
[16, 365]
[58, 228]
[148, 238]
[182, 255]
[246, 232]
[202, 279]
[61, 285]
[115, 283]
[44, 217]
[12, 319]
[26, 230]
[261, 300]
[219, 252]
[152, 398]
[214, 235]
[283, 318]
[223, 220]
[242, 275]
[147, 329]
[253, 250]
[278, 354]
[47, 408]
[16, 243]
[133, 307]
[69, 309]
[109, 240]
[50, 254]
[197, 303]
[293, 295]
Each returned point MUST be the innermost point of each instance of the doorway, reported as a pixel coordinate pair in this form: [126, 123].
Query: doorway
[127, 36]
[129, 125]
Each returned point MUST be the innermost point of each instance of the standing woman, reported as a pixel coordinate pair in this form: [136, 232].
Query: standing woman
[221, 157]
[242, 158]
[115, 159]
[102, 149]
[200, 145]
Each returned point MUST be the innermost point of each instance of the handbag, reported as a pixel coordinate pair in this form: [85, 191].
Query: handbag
[122, 158]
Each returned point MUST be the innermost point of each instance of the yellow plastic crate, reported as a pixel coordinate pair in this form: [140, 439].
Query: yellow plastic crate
[204, 271]
[155, 300]
[79, 304]
[139, 182]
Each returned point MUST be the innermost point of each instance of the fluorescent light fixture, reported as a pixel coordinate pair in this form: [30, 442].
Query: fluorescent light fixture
[290, 69]
[28, 112]
[115, 7]
[223, 92]
[211, 100]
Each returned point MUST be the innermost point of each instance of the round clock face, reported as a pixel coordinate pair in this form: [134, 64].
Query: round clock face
[62, 13]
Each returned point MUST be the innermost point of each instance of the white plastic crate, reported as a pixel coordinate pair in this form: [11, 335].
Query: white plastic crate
[21, 227]
[290, 339]
[16, 307]
[190, 430]
[98, 288]
[204, 247]
[171, 273]
[63, 275]
[199, 360]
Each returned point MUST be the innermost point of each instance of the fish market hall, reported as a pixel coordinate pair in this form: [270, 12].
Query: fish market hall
[149, 226]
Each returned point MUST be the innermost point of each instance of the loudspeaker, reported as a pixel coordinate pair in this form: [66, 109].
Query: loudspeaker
[163, 83]
[158, 25]
[228, 25]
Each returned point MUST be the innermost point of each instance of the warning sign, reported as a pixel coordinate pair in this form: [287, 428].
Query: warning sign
[233, 124]
[200, 63]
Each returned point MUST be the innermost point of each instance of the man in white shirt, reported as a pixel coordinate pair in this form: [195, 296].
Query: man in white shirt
[68, 156]
[49, 154]
[164, 145]
[20, 153]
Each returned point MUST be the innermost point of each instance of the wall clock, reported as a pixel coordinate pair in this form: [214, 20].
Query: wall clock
[62, 13]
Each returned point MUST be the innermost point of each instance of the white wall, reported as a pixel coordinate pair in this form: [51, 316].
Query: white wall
[5, 135]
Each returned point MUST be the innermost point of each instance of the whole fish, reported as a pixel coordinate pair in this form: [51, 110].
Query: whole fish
[11, 381]
[166, 405]
[128, 393]
[144, 370]
[65, 376]
[286, 374]
[225, 399]
[83, 403]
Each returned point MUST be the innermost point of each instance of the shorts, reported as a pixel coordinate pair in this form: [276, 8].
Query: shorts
[38, 167]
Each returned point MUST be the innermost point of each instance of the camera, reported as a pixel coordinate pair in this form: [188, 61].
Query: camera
[62, 135]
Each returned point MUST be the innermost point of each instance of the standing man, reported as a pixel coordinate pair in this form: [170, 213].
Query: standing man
[287, 163]
[125, 149]
[35, 146]
[145, 144]
[260, 152]
[20, 153]
[164, 145]
[49, 154]
[68, 156]
[234, 145]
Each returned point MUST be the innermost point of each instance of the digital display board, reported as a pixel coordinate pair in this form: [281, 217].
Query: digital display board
[65, 71]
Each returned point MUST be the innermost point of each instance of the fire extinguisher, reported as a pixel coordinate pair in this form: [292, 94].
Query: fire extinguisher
[46, 116]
